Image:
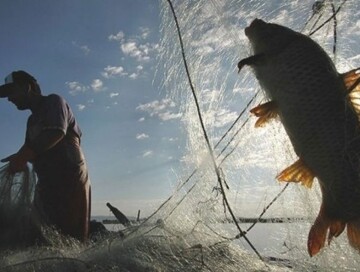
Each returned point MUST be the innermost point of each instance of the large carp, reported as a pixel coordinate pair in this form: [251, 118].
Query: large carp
[319, 109]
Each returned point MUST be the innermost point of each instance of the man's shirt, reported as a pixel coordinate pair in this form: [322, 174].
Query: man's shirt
[53, 113]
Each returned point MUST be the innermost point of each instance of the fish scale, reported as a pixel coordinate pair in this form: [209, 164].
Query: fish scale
[312, 122]
[311, 98]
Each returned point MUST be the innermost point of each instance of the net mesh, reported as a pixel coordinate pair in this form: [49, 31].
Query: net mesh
[227, 212]
[16, 196]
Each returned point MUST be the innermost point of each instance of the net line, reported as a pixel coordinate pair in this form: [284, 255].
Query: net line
[319, 14]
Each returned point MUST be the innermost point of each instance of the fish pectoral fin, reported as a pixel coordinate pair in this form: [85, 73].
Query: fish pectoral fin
[297, 172]
[352, 84]
[351, 79]
[265, 112]
[253, 60]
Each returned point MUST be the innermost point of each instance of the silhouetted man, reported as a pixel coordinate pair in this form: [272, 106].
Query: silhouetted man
[52, 145]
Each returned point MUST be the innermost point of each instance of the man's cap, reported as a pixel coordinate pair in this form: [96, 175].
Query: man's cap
[15, 77]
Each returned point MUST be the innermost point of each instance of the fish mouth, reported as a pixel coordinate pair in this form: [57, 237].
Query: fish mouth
[255, 23]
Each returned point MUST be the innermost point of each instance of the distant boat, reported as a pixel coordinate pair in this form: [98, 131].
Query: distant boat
[119, 215]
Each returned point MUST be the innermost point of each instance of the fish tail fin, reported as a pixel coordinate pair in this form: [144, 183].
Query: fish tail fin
[353, 233]
[323, 227]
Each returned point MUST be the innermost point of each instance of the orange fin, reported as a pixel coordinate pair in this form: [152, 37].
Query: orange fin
[351, 79]
[336, 228]
[352, 84]
[319, 231]
[265, 112]
[297, 172]
[317, 234]
[353, 233]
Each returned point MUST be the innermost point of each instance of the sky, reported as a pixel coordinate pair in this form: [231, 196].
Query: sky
[101, 56]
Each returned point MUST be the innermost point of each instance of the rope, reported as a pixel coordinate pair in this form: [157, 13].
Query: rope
[335, 29]
[240, 115]
[217, 171]
[329, 19]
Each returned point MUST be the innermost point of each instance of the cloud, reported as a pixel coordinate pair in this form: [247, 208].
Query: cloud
[97, 85]
[142, 119]
[133, 76]
[171, 139]
[208, 96]
[211, 40]
[241, 90]
[156, 106]
[355, 27]
[219, 118]
[84, 48]
[80, 107]
[131, 48]
[142, 136]
[224, 117]
[136, 74]
[141, 52]
[111, 71]
[160, 109]
[135, 47]
[166, 116]
[354, 58]
[76, 87]
[145, 32]
[117, 37]
[147, 153]
[113, 95]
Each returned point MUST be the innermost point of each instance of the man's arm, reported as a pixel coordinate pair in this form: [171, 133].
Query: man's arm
[46, 140]
[28, 152]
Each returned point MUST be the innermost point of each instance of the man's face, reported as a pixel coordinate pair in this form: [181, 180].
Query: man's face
[19, 96]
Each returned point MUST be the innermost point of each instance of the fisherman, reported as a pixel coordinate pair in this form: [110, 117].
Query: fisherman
[52, 145]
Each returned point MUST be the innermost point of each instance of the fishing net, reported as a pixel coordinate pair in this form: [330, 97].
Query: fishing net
[16, 196]
[227, 212]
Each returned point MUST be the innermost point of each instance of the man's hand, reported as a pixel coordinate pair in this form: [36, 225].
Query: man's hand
[18, 161]
[8, 158]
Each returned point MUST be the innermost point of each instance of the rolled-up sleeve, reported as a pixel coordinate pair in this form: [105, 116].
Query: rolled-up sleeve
[56, 115]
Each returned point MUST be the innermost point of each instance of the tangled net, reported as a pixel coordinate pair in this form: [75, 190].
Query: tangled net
[16, 196]
[227, 212]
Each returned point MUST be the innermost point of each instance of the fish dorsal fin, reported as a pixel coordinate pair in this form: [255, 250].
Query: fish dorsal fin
[352, 84]
[297, 172]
